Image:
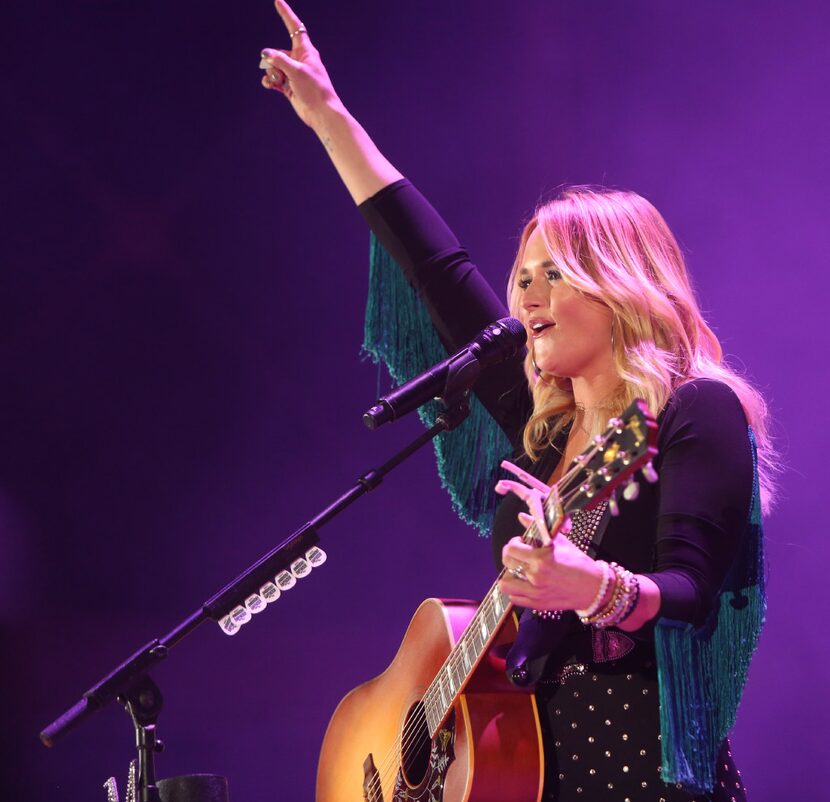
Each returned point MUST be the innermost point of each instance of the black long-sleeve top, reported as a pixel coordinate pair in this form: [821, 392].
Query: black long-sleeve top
[682, 532]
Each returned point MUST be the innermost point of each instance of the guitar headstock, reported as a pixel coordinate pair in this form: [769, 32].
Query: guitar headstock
[626, 446]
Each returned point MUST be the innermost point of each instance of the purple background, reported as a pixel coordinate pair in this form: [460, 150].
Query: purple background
[183, 287]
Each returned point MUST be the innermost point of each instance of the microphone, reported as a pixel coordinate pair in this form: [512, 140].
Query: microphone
[456, 375]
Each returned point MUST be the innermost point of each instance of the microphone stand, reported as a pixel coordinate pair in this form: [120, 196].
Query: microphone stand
[130, 682]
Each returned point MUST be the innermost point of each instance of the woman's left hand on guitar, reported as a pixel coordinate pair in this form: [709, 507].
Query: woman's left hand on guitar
[557, 576]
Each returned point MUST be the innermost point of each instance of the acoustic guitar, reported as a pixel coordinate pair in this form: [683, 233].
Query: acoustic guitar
[443, 723]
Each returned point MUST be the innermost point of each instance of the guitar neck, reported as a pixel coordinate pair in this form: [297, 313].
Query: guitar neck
[480, 632]
[467, 653]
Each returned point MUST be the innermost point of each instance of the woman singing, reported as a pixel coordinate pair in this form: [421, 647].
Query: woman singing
[639, 686]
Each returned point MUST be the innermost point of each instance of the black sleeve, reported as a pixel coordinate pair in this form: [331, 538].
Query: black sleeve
[458, 298]
[706, 478]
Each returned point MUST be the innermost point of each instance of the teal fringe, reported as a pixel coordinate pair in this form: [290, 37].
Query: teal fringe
[702, 671]
[398, 332]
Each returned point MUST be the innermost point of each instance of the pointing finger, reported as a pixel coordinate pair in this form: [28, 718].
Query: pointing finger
[295, 28]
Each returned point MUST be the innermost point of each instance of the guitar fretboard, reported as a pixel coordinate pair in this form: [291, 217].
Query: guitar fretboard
[448, 683]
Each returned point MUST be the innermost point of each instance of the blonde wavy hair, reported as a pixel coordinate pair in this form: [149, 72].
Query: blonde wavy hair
[616, 248]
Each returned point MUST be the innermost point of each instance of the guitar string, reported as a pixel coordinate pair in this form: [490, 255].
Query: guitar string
[406, 740]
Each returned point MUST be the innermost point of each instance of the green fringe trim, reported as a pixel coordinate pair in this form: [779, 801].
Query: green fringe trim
[398, 332]
[702, 671]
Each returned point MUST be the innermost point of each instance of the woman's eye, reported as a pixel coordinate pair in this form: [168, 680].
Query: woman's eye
[551, 276]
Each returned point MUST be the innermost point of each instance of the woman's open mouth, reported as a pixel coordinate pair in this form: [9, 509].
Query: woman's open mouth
[539, 327]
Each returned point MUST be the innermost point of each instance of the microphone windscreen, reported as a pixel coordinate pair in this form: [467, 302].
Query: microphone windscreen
[515, 328]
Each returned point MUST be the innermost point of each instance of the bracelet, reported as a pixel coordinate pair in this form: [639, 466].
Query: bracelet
[634, 600]
[607, 575]
[620, 605]
[607, 612]
[624, 598]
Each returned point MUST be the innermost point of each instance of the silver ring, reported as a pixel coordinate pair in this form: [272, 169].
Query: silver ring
[518, 572]
[299, 30]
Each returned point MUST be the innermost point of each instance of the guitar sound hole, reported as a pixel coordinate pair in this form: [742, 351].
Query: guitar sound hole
[415, 746]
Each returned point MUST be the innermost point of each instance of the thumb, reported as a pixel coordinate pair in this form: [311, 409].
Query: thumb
[280, 60]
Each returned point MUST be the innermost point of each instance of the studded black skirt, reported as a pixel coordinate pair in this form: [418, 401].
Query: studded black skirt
[601, 729]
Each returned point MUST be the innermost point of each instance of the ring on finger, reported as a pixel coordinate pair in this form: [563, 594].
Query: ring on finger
[301, 29]
[519, 572]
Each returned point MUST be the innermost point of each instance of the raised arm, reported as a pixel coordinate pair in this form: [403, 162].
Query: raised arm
[458, 298]
[299, 74]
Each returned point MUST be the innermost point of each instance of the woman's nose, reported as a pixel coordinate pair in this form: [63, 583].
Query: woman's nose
[533, 296]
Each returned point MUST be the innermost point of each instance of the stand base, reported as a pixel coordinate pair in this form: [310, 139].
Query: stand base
[194, 788]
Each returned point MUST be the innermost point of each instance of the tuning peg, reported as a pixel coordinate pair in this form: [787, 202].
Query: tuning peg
[631, 490]
[316, 556]
[613, 505]
[650, 473]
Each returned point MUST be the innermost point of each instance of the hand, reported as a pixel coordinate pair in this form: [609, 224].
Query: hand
[298, 73]
[556, 576]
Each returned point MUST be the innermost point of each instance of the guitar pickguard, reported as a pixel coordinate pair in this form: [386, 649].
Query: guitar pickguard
[431, 787]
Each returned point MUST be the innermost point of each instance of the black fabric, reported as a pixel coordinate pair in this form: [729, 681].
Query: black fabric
[683, 532]
[458, 297]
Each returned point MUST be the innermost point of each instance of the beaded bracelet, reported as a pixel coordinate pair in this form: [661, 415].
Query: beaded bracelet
[634, 600]
[607, 575]
[622, 602]
[624, 598]
[617, 596]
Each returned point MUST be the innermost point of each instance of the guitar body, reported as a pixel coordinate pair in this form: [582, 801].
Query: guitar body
[488, 750]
